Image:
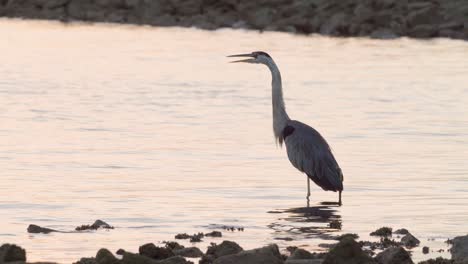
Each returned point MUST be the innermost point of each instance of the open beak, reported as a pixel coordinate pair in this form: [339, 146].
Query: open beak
[250, 60]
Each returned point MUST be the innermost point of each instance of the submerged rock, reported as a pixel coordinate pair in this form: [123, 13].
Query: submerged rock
[269, 254]
[460, 248]
[96, 225]
[11, 252]
[347, 251]
[394, 255]
[35, 229]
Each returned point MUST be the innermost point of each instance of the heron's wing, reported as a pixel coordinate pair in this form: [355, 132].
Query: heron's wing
[309, 152]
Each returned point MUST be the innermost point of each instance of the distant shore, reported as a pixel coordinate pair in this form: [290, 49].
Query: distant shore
[384, 19]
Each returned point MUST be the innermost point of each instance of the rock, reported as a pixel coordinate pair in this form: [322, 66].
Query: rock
[104, 256]
[425, 250]
[189, 252]
[383, 232]
[182, 236]
[172, 245]
[410, 241]
[347, 251]
[130, 258]
[154, 252]
[304, 261]
[335, 25]
[214, 234]
[11, 252]
[438, 260]
[86, 261]
[37, 229]
[460, 248]
[401, 231]
[363, 13]
[225, 248]
[174, 260]
[206, 259]
[51, 4]
[383, 33]
[187, 8]
[427, 15]
[394, 255]
[269, 254]
[261, 18]
[354, 236]
[301, 254]
[96, 225]
[120, 251]
[453, 25]
[423, 31]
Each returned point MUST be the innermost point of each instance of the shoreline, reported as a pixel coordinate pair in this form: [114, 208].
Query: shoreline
[387, 246]
[383, 19]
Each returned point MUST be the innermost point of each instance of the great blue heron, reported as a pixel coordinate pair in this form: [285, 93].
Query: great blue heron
[307, 150]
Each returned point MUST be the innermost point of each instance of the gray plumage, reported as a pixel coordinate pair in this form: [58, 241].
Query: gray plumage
[307, 150]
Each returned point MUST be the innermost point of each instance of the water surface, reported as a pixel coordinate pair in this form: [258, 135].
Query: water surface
[151, 130]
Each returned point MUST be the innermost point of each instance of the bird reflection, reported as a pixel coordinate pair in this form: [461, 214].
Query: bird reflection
[312, 222]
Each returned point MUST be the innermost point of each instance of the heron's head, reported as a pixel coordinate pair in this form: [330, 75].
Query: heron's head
[254, 57]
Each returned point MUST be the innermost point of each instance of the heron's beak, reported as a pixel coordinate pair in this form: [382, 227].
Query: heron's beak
[251, 60]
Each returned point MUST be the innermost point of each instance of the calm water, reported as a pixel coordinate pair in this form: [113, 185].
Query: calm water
[151, 130]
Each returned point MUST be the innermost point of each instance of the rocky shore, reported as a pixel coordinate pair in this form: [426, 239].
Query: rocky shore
[374, 18]
[392, 247]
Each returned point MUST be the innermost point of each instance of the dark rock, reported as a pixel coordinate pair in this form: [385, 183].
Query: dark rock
[410, 241]
[206, 259]
[425, 250]
[383, 232]
[51, 4]
[104, 256]
[182, 236]
[269, 254]
[214, 234]
[225, 248]
[120, 251]
[189, 252]
[438, 260]
[353, 236]
[37, 229]
[459, 248]
[337, 24]
[154, 252]
[86, 261]
[11, 252]
[172, 245]
[394, 255]
[363, 13]
[130, 258]
[427, 15]
[96, 225]
[383, 33]
[196, 237]
[301, 254]
[347, 251]
[401, 231]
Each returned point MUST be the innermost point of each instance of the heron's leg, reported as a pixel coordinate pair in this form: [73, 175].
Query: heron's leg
[339, 198]
[308, 190]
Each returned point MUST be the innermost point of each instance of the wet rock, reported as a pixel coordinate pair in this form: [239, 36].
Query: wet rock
[11, 252]
[35, 229]
[206, 259]
[182, 236]
[460, 248]
[172, 245]
[214, 234]
[196, 237]
[423, 31]
[394, 255]
[130, 258]
[410, 241]
[104, 256]
[425, 250]
[383, 33]
[189, 252]
[383, 232]
[120, 251]
[269, 254]
[353, 236]
[401, 231]
[348, 251]
[96, 225]
[86, 261]
[301, 254]
[154, 252]
[225, 248]
[438, 260]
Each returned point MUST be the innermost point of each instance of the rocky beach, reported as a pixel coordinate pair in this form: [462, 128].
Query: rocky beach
[389, 247]
[369, 18]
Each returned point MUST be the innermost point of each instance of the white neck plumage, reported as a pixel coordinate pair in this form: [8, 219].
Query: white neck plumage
[280, 117]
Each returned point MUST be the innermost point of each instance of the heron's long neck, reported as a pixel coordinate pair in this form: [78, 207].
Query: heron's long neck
[280, 117]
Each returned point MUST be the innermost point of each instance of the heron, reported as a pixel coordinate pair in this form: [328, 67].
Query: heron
[307, 150]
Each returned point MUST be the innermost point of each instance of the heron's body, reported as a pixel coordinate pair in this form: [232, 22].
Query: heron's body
[307, 150]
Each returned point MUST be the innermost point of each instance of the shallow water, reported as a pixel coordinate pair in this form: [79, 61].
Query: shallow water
[151, 130]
